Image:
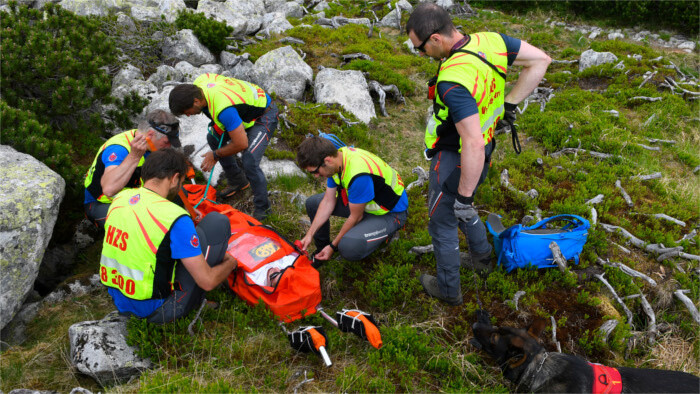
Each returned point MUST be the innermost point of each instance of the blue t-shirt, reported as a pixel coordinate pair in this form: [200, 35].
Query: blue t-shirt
[182, 240]
[230, 118]
[458, 99]
[361, 191]
[113, 155]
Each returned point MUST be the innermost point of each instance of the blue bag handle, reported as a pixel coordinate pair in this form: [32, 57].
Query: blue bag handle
[574, 220]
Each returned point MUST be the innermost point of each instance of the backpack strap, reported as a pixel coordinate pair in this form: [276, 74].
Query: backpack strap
[573, 221]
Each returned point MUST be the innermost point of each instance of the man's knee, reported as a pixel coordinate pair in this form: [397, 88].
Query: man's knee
[312, 204]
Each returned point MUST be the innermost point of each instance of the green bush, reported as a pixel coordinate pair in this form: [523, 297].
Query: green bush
[53, 64]
[211, 33]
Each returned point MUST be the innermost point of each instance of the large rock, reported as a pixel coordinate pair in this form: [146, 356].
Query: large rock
[30, 195]
[392, 19]
[283, 72]
[99, 349]
[127, 74]
[275, 168]
[143, 88]
[592, 58]
[225, 12]
[163, 74]
[185, 46]
[141, 10]
[275, 23]
[347, 88]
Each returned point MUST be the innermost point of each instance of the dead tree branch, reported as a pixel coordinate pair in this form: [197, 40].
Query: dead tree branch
[690, 235]
[607, 328]
[654, 148]
[516, 298]
[595, 200]
[422, 178]
[382, 90]
[688, 304]
[617, 298]
[626, 196]
[627, 270]
[670, 219]
[577, 150]
[652, 318]
[677, 253]
[558, 256]
[655, 175]
[644, 98]
[421, 250]
[655, 140]
[554, 333]
[505, 182]
[650, 76]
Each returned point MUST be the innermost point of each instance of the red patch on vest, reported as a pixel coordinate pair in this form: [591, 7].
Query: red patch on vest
[606, 380]
[112, 157]
[211, 84]
[134, 199]
[194, 241]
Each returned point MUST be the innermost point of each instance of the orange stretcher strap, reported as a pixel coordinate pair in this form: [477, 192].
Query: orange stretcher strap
[371, 331]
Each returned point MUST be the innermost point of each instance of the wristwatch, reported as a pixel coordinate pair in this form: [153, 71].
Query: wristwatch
[335, 248]
[216, 157]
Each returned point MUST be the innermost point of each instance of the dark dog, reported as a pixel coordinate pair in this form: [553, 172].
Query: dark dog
[528, 365]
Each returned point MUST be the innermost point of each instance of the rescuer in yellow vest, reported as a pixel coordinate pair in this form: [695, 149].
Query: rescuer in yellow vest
[243, 119]
[360, 187]
[469, 99]
[117, 164]
[152, 256]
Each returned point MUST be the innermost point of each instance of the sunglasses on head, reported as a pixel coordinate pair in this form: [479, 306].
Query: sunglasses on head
[314, 172]
[421, 47]
[171, 130]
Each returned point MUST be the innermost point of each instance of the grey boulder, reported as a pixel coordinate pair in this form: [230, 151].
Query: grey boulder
[283, 72]
[592, 58]
[347, 88]
[185, 46]
[98, 349]
[30, 195]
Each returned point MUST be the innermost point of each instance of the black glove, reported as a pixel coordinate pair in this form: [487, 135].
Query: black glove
[464, 210]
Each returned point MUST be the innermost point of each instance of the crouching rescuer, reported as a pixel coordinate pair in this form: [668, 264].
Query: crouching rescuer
[360, 187]
[154, 262]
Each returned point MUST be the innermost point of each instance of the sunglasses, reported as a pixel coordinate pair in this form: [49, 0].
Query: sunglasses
[274, 276]
[314, 172]
[171, 130]
[421, 47]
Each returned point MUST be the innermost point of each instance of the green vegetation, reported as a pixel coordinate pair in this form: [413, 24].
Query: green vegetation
[210, 32]
[426, 343]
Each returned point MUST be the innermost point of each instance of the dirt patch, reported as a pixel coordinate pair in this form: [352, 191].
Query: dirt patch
[593, 83]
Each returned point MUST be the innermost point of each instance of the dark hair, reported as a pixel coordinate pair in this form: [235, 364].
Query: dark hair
[314, 150]
[164, 163]
[427, 18]
[182, 98]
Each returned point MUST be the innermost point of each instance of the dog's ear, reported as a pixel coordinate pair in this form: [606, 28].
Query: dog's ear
[536, 328]
[516, 362]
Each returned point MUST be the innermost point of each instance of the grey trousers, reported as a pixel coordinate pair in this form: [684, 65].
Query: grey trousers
[258, 138]
[361, 240]
[96, 212]
[442, 189]
[214, 231]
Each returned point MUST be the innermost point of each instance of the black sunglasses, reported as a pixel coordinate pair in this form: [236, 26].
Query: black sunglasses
[314, 172]
[274, 275]
[171, 130]
[421, 47]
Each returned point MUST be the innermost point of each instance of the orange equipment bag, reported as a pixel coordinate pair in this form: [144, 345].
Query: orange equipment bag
[298, 291]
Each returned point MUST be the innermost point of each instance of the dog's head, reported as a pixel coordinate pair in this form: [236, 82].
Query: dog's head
[512, 348]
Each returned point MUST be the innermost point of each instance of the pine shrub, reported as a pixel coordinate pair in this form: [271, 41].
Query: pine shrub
[211, 33]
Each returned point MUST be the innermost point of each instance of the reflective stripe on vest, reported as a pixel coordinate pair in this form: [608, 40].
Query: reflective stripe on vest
[485, 85]
[92, 183]
[136, 225]
[360, 162]
[223, 92]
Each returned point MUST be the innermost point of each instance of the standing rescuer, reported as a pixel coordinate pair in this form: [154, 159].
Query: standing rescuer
[117, 164]
[243, 119]
[153, 259]
[469, 99]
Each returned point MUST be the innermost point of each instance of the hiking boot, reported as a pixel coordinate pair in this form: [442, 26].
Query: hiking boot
[260, 214]
[430, 285]
[480, 263]
[239, 183]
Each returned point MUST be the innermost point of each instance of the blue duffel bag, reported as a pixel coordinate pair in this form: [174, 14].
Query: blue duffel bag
[518, 246]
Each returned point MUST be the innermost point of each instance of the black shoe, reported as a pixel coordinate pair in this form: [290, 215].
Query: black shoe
[260, 214]
[231, 191]
[480, 263]
[431, 287]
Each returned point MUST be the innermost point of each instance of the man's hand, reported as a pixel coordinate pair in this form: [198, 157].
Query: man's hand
[208, 162]
[325, 253]
[139, 145]
[230, 260]
[464, 210]
[508, 117]
[305, 242]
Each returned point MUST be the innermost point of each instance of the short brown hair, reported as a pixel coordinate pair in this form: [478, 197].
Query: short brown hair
[427, 18]
[182, 98]
[314, 150]
[163, 164]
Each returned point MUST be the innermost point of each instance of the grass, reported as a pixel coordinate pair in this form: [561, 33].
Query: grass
[239, 348]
